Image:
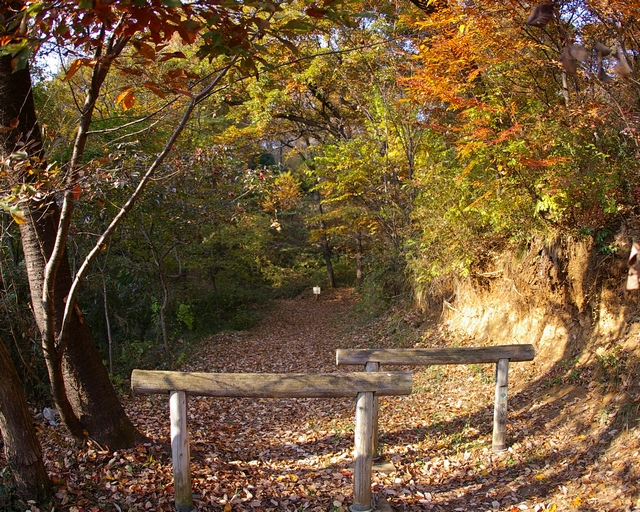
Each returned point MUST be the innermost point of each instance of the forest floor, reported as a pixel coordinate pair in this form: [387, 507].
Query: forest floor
[573, 434]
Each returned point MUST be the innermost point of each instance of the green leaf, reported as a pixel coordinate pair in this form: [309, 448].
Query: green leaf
[213, 38]
[172, 3]
[296, 25]
[17, 215]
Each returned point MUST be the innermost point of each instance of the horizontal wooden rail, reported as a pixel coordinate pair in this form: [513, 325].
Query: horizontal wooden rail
[499, 355]
[363, 386]
[271, 385]
[433, 356]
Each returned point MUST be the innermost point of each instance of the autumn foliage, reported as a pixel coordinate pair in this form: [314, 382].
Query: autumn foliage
[207, 156]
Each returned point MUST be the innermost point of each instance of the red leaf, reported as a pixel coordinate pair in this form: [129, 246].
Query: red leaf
[155, 89]
[145, 49]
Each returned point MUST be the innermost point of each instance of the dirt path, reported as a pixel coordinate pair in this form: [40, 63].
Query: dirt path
[296, 335]
[272, 454]
[294, 455]
[574, 442]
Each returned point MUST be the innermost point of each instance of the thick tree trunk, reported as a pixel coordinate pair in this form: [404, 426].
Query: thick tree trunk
[86, 379]
[21, 446]
[38, 236]
[92, 399]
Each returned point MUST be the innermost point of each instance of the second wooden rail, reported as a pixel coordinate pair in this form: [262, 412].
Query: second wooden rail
[371, 359]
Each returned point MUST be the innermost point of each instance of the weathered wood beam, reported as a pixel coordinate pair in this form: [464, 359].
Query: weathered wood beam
[500, 355]
[374, 367]
[180, 454]
[365, 386]
[272, 385]
[434, 356]
[363, 453]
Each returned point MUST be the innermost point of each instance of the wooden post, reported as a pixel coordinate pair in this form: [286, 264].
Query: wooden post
[180, 450]
[500, 406]
[363, 453]
[374, 367]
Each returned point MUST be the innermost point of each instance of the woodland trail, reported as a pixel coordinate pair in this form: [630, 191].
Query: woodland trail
[297, 335]
[272, 454]
[569, 446]
[295, 454]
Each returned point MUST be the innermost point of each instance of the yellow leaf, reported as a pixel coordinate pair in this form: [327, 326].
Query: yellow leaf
[552, 507]
[539, 477]
[577, 501]
[18, 216]
[227, 507]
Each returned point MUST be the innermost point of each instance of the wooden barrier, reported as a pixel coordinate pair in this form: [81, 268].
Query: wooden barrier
[364, 386]
[500, 355]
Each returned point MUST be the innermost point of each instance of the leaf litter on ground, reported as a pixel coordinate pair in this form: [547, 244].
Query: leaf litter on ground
[574, 444]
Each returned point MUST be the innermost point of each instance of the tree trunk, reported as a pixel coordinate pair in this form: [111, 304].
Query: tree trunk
[107, 323]
[324, 244]
[92, 398]
[163, 311]
[21, 446]
[359, 260]
[86, 380]
[326, 252]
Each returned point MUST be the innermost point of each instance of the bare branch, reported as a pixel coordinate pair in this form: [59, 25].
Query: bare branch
[124, 210]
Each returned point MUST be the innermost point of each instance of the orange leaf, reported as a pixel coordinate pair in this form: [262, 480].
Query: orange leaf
[75, 66]
[76, 192]
[127, 98]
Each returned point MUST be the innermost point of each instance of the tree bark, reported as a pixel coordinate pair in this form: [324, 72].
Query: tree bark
[93, 405]
[21, 446]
